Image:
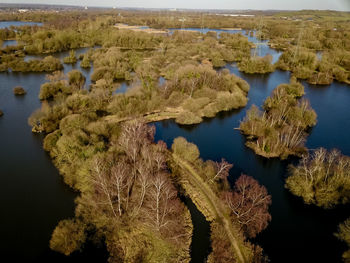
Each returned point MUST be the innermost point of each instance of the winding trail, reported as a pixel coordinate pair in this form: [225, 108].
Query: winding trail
[214, 210]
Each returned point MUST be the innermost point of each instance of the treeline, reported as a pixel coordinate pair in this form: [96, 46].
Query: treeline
[300, 38]
[17, 64]
[94, 34]
[280, 130]
[334, 65]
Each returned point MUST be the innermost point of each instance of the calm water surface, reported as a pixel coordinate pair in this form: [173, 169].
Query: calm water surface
[34, 198]
[7, 24]
[297, 233]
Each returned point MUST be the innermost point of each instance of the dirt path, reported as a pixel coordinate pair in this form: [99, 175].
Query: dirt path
[215, 205]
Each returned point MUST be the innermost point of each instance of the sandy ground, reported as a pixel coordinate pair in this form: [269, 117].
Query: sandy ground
[138, 28]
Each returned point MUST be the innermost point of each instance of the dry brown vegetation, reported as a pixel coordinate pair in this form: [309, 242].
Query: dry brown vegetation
[127, 197]
[249, 204]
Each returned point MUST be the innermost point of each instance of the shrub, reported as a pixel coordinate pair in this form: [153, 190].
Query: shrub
[52, 89]
[79, 103]
[210, 110]
[99, 73]
[195, 105]
[51, 140]
[227, 101]
[48, 64]
[175, 99]
[19, 91]
[72, 123]
[68, 236]
[76, 79]
[185, 149]
[85, 63]
[51, 64]
[188, 118]
[71, 59]
[259, 65]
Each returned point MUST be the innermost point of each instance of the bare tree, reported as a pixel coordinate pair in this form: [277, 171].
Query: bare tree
[222, 169]
[102, 185]
[120, 183]
[144, 182]
[249, 204]
[162, 194]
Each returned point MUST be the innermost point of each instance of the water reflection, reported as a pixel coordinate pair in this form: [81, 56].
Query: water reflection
[297, 230]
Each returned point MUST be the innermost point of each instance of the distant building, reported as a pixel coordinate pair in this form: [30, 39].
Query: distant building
[235, 15]
[23, 10]
[86, 8]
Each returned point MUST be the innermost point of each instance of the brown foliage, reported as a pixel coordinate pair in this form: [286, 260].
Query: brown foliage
[222, 169]
[249, 204]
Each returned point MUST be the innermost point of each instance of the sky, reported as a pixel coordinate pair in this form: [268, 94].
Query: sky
[341, 5]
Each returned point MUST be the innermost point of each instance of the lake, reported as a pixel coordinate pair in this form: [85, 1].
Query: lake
[34, 198]
[7, 24]
[297, 232]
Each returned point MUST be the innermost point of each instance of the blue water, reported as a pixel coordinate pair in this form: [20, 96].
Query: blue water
[7, 24]
[68, 67]
[7, 43]
[122, 88]
[34, 198]
[297, 232]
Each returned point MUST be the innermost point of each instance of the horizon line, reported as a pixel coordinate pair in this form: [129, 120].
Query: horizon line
[169, 8]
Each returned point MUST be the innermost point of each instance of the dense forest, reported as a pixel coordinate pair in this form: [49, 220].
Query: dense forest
[102, 143]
